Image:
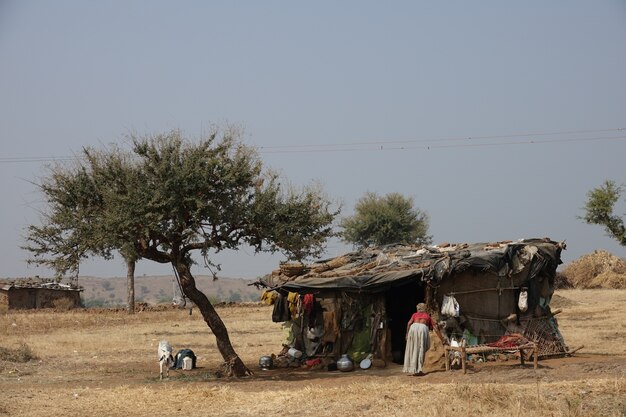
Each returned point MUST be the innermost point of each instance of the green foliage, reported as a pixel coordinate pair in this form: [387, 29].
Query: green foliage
[296, 222]
[385, 220]
[74, 205]
[599, 209]
[168, 197]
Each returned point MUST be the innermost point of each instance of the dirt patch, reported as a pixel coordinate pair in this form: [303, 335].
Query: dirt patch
[559, 301]
[105, 364]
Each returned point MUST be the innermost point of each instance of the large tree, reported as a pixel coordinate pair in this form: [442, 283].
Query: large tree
[384, 220]
[600, 207]
[171, 197]
[76, 223]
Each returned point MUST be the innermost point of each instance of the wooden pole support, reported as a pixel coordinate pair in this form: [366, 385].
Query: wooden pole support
[463, 355]
[571, 352]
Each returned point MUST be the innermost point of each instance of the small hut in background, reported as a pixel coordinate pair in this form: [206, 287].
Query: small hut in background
[32, 293]
[359, 303]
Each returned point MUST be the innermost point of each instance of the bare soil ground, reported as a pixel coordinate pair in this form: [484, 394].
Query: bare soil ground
[104, 364]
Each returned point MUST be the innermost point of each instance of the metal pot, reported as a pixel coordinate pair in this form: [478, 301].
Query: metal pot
[265, 362]
[344, 363]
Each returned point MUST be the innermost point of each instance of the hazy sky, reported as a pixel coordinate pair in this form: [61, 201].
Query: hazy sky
[496, 117]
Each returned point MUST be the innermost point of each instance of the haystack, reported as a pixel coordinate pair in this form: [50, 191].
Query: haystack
[600, 269]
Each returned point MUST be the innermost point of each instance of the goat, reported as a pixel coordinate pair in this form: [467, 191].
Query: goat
[166, 360]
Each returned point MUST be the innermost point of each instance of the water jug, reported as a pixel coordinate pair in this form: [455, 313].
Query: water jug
[345, 363]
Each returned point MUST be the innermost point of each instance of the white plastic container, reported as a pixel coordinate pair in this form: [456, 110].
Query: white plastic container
[187, 363]
[294, 353]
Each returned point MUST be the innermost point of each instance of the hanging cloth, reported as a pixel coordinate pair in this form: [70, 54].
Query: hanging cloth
[294, 299]
[308, 302]
[281, 309]
[268, 297]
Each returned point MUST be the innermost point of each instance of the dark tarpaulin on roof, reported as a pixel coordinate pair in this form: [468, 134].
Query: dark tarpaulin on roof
[369, 283]
[376, 269]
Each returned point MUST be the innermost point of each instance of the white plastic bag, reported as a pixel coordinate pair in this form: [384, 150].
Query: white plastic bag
[522, 303]
[449, 306]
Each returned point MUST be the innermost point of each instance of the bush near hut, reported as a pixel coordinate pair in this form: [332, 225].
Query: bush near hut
[599, 269]
[561, 282]
[63, 304]
[21, 354]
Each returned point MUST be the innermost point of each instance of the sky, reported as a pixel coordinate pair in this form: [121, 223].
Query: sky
[496, 117]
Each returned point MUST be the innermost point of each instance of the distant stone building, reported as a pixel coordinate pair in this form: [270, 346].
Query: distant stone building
[26, 294]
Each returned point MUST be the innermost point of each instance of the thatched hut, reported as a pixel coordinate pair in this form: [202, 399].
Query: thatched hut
[359, 303]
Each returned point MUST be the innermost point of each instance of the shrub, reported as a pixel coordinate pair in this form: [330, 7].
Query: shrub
[561, 281]
[23, 353]
[63, 304]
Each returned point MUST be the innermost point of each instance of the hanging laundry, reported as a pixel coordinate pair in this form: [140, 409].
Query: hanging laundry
[293, 298]
[308, 303]
[281, 309]
[268, 297]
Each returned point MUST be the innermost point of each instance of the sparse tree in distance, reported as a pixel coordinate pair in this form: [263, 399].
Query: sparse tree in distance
[600, 207]
[385, 220]
[170, 198]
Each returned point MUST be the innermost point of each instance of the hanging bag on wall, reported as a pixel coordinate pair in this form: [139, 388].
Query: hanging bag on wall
[522, 302]
[449, 306]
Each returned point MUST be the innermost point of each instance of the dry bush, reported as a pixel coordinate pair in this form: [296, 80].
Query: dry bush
[63, 304]
[599, 269]
[561, 281]
[23, 353]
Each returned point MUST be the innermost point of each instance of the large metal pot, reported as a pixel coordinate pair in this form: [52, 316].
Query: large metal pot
[344, 363]
[265, 362]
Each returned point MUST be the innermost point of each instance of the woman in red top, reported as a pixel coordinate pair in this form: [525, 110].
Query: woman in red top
[418, 340]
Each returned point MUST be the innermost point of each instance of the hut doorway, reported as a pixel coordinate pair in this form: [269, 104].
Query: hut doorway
[400, 304]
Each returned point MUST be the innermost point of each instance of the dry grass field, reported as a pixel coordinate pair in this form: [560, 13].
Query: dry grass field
[103, 363]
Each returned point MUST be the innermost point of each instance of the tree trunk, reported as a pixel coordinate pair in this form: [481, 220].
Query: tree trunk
[234, 365]
[130, 279]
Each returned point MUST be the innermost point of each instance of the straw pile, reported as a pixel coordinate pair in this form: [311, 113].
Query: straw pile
[599, 269]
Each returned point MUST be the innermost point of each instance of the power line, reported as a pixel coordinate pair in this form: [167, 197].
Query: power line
[445, 146]
[38, 159]
[444, 139]
[395, 145]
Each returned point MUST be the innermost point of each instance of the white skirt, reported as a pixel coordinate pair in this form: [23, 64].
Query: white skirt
[417, 343]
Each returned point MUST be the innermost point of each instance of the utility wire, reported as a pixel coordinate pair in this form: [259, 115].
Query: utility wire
[424, 144]
[38, 159]
[447, 139]
[447, 146]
